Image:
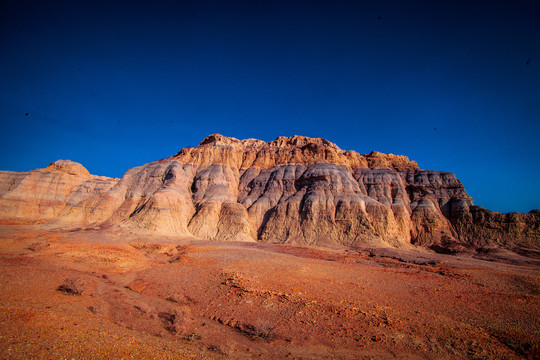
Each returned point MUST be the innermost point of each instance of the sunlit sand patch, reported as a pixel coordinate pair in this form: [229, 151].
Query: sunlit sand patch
[119, 258]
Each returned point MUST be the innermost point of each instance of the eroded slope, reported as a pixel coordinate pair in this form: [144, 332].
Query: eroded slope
[295, 190]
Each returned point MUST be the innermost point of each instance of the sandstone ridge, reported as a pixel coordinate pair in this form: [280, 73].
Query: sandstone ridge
[295, 190]
[284, 150]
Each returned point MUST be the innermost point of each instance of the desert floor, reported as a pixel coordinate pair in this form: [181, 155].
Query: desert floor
[103, 295]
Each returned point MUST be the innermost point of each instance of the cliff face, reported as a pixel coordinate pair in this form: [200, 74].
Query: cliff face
[294, 190]
[480, 227]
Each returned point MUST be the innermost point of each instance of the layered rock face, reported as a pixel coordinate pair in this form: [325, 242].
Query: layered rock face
[295, 190]
[40, 195]
[480, 228]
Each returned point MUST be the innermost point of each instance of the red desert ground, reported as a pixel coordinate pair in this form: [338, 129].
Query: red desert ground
[241, 249]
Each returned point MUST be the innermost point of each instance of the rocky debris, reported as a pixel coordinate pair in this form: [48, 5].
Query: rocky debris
[168, 321]
[295, 190]
[264, 330]
[137, 285]
[73, 286]
[161, 252]
[38, 246]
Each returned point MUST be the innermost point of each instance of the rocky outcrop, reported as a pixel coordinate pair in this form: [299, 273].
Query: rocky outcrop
[295, 190]
[482, 228]
[40, 195]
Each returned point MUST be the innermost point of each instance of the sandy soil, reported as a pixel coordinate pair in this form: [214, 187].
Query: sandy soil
[97, 295]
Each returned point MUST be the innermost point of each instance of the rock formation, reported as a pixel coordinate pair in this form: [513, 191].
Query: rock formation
[295, 190]
[40, 195]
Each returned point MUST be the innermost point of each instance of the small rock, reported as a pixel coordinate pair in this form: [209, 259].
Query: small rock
[72, 286]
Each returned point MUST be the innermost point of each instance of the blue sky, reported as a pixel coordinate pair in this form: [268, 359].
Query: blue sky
[454, 85]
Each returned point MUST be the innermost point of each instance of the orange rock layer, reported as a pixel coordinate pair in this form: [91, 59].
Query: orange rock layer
[243, 154]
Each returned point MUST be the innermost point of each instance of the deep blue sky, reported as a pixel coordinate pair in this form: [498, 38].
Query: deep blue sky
[454, 85]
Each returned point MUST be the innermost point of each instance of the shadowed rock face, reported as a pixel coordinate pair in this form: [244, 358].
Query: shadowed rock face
[296, 190]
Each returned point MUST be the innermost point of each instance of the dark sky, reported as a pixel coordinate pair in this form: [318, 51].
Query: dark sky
[454, 85]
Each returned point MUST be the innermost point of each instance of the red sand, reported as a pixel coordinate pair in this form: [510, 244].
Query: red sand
[104, 296]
